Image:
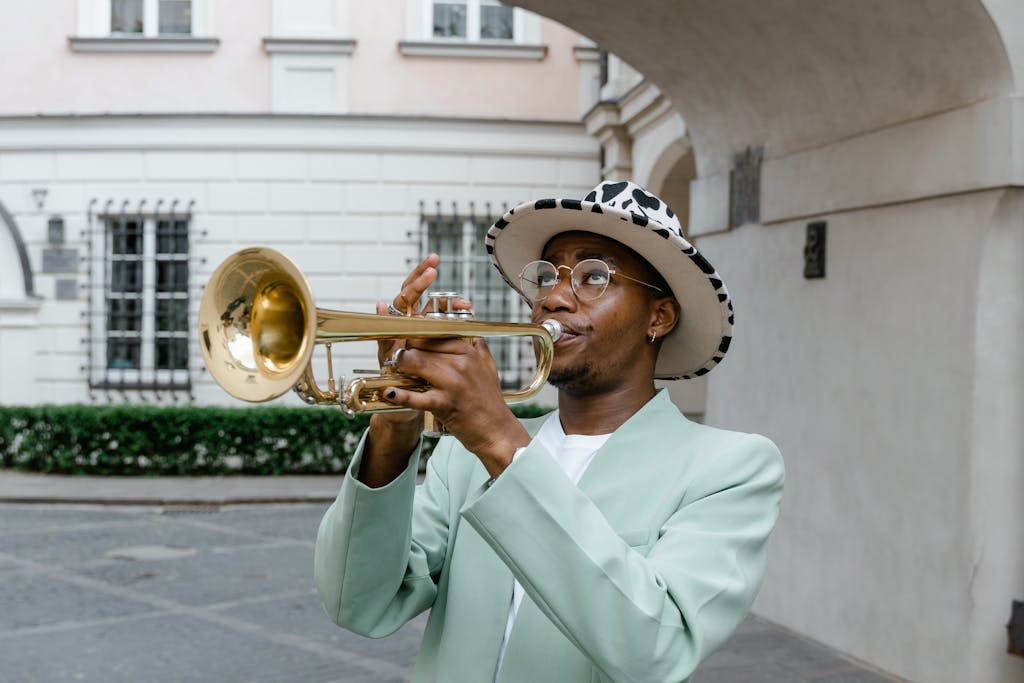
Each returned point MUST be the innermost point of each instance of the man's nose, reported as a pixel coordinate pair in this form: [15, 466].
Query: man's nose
[562, 295]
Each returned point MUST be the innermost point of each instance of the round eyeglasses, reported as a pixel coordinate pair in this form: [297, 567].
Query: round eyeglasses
[589, 279]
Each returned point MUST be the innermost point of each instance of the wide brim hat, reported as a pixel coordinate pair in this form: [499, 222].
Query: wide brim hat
[629, 214]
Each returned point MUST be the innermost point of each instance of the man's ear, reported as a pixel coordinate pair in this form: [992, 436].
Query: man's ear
[665, 315]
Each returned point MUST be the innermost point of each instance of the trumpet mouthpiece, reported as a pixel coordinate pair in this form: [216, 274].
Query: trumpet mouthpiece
[553, 327]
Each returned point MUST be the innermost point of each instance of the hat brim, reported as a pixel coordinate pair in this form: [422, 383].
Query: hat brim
[704, 332]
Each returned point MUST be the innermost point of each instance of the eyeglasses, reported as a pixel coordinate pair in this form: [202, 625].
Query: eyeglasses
[589, 279]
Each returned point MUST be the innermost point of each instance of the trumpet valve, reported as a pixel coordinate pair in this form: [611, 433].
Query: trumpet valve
[442, 305]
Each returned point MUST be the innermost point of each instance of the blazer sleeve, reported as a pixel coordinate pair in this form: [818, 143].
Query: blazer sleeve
[637, 617]
[379, 551]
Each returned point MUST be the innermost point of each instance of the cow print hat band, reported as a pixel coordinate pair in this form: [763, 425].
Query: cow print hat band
[629, 214]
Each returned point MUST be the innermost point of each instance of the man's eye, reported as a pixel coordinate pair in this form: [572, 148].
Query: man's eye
[546, 279]
[594, 277]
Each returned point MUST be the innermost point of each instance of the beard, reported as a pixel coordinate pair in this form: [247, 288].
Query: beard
[574, 380]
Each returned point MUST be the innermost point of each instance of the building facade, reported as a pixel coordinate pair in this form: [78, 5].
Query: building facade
[143, 141]
[854, 171]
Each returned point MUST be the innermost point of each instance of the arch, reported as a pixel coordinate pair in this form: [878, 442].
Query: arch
[15, 261]
[671, 175]
[791, 75]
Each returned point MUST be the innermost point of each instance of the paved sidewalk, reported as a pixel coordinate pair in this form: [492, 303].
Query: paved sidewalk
[19, 487]
[137, 508]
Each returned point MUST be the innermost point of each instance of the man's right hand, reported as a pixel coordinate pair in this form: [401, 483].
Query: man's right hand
[393, 436]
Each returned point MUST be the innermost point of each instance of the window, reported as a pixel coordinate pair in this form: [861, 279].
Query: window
[495, 21]
[144, 26]
[473, 20]
[465, 268]
[140, 304]
[471, 28]
[151, 17]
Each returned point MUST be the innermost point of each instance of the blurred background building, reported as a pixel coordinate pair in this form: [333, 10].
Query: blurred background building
[854, 169]
[142, 141]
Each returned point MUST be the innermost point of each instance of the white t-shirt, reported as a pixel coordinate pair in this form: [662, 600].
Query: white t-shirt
[573, 453]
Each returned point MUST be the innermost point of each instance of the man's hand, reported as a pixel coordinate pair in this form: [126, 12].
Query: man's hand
[464, 394]
[393, 436]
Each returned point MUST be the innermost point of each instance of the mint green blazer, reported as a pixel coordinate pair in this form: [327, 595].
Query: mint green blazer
[636, 575]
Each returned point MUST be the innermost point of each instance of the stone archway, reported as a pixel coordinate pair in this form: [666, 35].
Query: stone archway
[670, 178]
[897, 124]
[16, 280]
[18, 315]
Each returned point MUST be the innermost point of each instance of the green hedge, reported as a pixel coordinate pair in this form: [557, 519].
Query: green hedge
[151, 440]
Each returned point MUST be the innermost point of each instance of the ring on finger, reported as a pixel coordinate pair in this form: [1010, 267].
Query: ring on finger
[392, 362]
[394, 311]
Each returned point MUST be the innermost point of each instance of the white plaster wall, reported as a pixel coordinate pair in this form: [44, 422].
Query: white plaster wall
[17, 326]
[864, 380]
[340, 196]
[18, 342]
[996, 474]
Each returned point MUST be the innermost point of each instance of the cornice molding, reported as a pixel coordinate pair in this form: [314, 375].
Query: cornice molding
[477, 50]
[132, 44]
[328, 46]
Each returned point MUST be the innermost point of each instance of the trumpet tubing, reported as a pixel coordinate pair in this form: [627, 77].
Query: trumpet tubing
[258, 326]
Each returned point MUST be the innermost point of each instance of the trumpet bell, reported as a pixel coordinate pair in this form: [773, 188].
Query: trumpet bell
[257, 324]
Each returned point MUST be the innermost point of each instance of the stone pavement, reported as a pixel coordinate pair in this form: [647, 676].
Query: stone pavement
[18, 487]
[210, 579]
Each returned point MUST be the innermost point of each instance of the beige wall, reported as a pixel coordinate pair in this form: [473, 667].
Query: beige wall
[383, 81]
[42, 74]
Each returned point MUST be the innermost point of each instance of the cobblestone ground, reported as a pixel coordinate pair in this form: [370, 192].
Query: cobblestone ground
[113, 594]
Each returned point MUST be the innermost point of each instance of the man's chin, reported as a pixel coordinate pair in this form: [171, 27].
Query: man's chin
[573, 380]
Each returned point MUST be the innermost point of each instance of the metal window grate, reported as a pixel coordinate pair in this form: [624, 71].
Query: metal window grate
[139, 303]
[458, 238]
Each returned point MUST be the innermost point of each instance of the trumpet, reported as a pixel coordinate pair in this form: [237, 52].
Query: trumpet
[258, 327]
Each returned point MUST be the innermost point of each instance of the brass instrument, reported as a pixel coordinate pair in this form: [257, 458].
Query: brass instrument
[258, 326]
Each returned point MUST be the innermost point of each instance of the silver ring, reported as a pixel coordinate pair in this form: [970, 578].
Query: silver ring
[394, 311]
[396, 355]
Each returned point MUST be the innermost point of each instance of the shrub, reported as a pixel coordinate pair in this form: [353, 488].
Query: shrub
[189, 440]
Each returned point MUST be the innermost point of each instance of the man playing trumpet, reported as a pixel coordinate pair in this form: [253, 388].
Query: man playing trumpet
[612, 540]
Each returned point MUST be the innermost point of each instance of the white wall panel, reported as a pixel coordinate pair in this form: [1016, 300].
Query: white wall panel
[100, 165]
[249, 197]
[27, 166]
[416, 168]
[180, 165]
[272, 165]
[343, 165]
[306, 197]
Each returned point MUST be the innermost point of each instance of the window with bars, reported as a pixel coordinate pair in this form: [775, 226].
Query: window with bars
[140, 326]
[151, 17]
[473, 20]
[465, 268]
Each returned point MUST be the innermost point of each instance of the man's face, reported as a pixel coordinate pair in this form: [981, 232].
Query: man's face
[603, 337]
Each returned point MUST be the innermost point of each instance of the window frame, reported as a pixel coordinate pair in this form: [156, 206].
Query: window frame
[94, 30]
[150, 374]
[420, 40]
[493, 299]
[474, 14]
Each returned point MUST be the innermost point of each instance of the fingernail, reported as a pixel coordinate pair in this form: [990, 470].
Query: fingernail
[391, 394]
